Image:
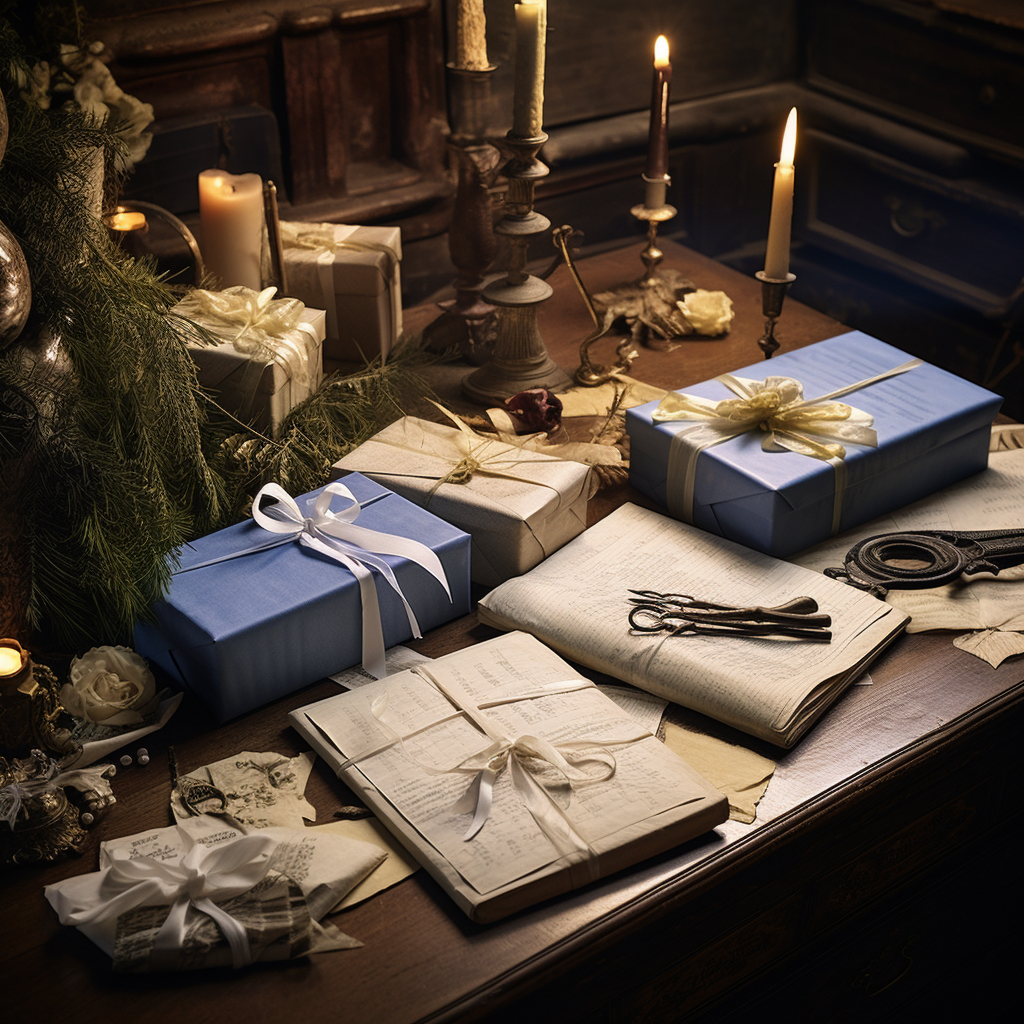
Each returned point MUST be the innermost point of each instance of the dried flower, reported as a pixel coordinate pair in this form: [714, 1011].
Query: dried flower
[111, 685]
[536, 409]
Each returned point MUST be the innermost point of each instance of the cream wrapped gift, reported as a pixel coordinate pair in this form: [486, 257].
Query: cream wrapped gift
[204, 893]
[518, 506]
[270, 353]
[353, 273]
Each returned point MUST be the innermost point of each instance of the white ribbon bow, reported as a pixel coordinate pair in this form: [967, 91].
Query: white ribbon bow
[527, 757]
[336, 536]
[201, 876]
[815, 427]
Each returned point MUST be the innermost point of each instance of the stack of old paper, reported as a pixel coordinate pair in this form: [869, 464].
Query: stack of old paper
[509, 777]
[577, 601]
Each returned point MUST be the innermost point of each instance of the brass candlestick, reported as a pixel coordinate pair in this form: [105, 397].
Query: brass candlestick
[773, 293]
[467, 320]
[649, 307]
[519, 360]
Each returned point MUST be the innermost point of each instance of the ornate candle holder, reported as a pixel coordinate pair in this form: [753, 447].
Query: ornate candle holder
[519, 360]
[467, 320]
[773, 293]
[648, 306]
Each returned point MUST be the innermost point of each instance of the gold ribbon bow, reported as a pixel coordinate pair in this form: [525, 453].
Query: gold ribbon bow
[816, 427]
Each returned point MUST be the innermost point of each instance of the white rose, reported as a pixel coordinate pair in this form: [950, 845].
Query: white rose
[708, 313]
[112, 685]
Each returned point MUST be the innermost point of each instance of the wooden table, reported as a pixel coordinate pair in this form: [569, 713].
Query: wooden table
[879, 876]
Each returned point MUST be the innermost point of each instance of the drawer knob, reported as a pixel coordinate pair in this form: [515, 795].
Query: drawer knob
[909, 218]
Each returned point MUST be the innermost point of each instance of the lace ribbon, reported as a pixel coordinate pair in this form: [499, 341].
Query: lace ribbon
[203, 875]
[336, 536]
[85, 780]
[529, 759]
[815, 427]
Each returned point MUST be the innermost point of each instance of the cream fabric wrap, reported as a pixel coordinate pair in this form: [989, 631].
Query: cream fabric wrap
[816, 427]
[527, 757]
[318, 277]
[203, 877]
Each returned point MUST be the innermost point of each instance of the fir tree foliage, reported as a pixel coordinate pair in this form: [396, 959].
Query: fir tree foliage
[109, 451]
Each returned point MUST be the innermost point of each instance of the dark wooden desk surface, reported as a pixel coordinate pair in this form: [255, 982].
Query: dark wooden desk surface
[871, 878]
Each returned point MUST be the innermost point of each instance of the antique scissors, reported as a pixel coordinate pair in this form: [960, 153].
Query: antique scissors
[679, 614]
[927, 558]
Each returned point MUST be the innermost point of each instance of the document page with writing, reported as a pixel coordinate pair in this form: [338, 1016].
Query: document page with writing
[577, 601]
[419, 739]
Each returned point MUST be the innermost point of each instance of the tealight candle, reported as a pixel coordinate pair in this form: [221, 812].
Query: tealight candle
[528, 101]
[125, 220]
[231, 223]
[11, 662]
[776, 260]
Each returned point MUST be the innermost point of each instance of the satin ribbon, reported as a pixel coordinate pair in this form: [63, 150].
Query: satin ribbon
[815, 427]
[336, 536]
[322, 239]
[85, 780]
[256, 324]
[527, 757]
[203, 874]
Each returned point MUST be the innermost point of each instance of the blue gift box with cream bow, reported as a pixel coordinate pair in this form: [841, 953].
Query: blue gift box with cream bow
[810, 470]
[306, 588]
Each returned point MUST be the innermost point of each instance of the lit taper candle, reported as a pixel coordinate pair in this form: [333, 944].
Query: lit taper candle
[776, 261]
[528, 103]
[657, 145]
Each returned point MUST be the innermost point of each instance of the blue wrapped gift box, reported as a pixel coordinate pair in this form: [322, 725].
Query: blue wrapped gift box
[933, 430]
[246, 631]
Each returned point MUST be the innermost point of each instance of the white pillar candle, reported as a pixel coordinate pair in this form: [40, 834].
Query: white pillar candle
[231, 226]
[471, 36]
[776, 260]
[528, 103]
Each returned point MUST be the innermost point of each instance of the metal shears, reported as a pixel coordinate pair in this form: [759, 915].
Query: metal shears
[927, 558]
[680, 614]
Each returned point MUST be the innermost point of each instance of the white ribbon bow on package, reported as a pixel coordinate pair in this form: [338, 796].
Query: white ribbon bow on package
[530, 759]
[336, 536]
[815, 427]
[201, 876]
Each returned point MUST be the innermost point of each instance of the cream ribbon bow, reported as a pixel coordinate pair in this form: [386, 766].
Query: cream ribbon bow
[527, 757]
[255, 323]
[815, 427]
[203, 875]
[336, 536]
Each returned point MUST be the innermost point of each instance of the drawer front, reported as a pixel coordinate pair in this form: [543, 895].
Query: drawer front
[967, 79]
[961, 240]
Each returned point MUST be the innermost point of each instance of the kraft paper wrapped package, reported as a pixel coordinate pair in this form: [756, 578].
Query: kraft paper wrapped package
[519, 506]
[308, 587]
[354, 273]
[269, 357]
[930, 428]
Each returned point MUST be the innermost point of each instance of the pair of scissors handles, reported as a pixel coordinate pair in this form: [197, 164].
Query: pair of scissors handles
[927, 558]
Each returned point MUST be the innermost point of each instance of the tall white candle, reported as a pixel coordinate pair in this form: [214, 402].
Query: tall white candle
[528, 103]
[471, 36]
[776, 260]
[231, 226]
